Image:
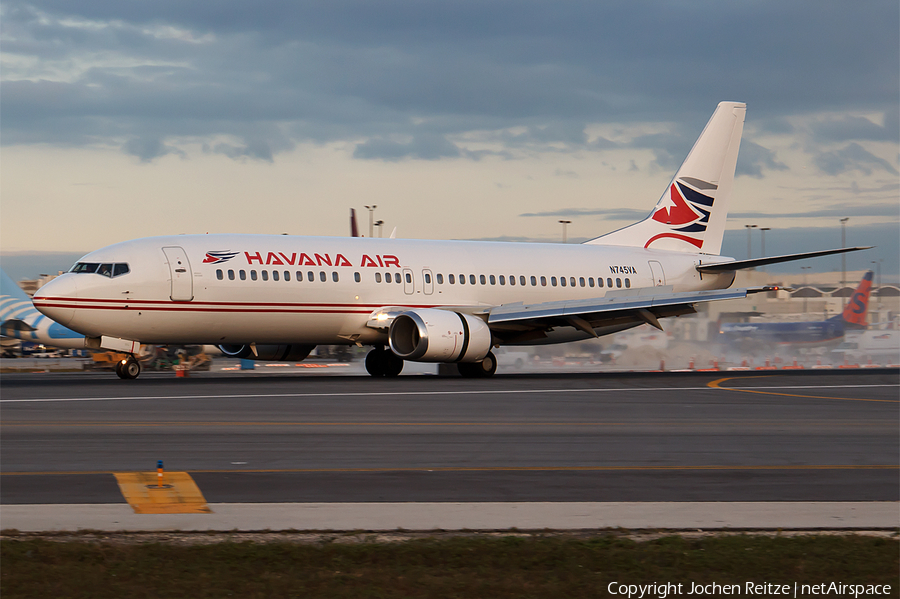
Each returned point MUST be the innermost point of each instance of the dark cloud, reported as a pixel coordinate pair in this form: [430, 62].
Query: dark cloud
[753, 158]
[273, 74]
[852, 157]
[889, 209]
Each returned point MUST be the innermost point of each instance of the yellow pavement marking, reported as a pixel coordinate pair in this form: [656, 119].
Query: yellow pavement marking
[179, 495]
[717, 384]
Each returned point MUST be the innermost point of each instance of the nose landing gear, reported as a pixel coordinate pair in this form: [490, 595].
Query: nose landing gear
[129, 368]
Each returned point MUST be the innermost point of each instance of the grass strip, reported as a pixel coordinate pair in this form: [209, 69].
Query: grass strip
[542, 566]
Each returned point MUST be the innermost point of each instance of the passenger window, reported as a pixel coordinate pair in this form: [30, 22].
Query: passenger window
[356, 277]
[451, 279]
[618, 282]
[493, 280]
[334, 276]
[230, 275]
[377, 277]
[322, 276]
[243, 275]
[310, 276]
[599, 281]
[408, 278]
[609, 282]
[472, 279]
[440, 279]
[572, 282]
[287, 275]
[553, 281]
[427, 278]
[590, 281]
[533, 281]
[397, 278]
[120, 269]
[219, 274]
[252, 275]
[265, 275]
[522, 280]
[483, 280]
[387, 277]
[628, 283]
[581, 281]
[274, 275]
[502, 280]
[562, 281]
[462, 279]
[543, 281]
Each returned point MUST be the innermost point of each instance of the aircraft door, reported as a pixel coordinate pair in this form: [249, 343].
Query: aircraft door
[180, 271]
[427, 281]
[409, 285]
[659, 277]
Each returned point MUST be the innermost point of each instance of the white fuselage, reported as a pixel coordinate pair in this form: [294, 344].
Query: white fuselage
[235, 289]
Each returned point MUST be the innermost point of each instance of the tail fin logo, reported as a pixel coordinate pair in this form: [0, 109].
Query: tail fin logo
[218, 257]
[855, 312]
[686, 214]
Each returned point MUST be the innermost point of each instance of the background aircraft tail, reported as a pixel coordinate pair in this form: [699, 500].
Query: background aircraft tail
[690, 215]
[854, 313]
[21, 320]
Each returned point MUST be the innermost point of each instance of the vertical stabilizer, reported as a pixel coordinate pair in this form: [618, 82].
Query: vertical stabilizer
[690, 215]
[855, 311]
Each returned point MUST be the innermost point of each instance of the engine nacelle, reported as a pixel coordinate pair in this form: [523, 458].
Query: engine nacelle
[267, 352]
[431, 335]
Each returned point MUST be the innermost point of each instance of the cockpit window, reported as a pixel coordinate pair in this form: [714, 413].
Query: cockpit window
[107, 269]
[85, 267]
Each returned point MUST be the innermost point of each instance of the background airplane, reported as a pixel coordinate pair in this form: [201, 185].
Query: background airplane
[19, 319]
[811, 333]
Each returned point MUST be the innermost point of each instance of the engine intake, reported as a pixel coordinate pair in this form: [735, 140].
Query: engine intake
[267, 352]
[432, 335]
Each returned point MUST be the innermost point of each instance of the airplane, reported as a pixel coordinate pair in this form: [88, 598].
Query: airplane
[277, 296]
[20, 320]
[822, 332]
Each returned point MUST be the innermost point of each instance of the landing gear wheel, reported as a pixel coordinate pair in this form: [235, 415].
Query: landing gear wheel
[130, 369]
[382, 362]
[479, 370]
[393, 364]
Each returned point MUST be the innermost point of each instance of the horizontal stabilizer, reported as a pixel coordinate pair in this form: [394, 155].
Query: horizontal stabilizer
[14, 324]
[744, 264]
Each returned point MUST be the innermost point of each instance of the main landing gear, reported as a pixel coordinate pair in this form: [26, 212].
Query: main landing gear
[129, 368]
[479, 370]
[383, 362]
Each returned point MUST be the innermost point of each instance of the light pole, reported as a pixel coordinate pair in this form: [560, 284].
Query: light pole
[371, 210]
[763, 230]
[749, 227]
[379, 223]
[564, 223]
[843, 259]
[806, 293]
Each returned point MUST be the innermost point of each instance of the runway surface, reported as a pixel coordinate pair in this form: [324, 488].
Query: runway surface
[247, 438]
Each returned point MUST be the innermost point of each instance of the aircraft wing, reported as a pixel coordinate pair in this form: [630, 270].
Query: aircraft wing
[517, 322]
[757, 262]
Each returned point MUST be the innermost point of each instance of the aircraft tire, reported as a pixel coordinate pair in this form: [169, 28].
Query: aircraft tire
[479, 370]
[119, 370]
[393, 364]
[131, 369]
[376, 362]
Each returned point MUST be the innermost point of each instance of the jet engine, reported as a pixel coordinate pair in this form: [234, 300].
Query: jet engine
[267, 352]
[431, 335]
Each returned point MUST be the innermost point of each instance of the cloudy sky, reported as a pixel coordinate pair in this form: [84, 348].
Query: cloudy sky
[460, 119]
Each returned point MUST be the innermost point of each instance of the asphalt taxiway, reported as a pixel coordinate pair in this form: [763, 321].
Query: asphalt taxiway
[577, 439]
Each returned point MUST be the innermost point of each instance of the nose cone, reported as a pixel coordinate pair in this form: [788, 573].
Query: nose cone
[55, 299]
